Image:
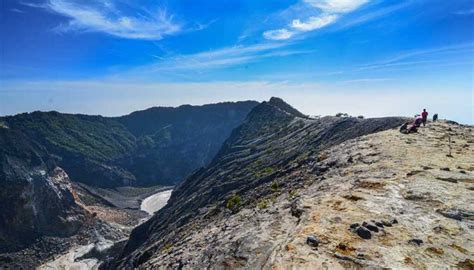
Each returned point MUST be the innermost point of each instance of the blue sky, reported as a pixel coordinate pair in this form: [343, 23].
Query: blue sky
[111, 57]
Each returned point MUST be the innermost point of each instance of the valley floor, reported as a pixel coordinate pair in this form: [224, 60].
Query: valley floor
[416, 198]
[82, 257]
[116, 213]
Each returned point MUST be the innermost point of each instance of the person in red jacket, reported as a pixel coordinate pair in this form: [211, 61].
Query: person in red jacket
[424, 116]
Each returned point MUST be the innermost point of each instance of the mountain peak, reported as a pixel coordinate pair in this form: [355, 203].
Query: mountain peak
[282, 105]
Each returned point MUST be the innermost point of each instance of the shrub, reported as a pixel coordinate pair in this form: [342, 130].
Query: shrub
[234, 202]
[264, 172]
[274, 186]
[167, 248]
[262, 204]
[322, 157]
[293, 194]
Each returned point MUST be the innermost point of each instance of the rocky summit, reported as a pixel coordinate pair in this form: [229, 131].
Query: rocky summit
[290, 192]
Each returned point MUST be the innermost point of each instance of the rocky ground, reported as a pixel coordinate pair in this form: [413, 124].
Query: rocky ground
[382, 200]
[105, 225]
[45, 249]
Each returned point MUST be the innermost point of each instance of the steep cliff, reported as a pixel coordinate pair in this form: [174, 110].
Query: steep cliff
[36, 196]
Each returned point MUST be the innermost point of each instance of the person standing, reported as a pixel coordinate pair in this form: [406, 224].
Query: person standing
[424, 116]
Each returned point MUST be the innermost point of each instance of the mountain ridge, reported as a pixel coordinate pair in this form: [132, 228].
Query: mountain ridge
[106, 149]
[265, 145]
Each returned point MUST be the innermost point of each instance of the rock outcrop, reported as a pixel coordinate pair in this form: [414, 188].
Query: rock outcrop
[36, 196]
[262, 158]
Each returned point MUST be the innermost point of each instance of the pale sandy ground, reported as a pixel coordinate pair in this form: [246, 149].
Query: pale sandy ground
[67, 261]
[155, 202]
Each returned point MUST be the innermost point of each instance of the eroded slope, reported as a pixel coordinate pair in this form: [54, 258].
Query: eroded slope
[260, 158]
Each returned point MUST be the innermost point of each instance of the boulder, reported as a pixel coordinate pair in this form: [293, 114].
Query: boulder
[415, 241]
[296, 209]
[363, 232]
[312, 241]
[354, 225]
[370, 226]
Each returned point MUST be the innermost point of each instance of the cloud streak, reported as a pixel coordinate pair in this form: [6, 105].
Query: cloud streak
[336, 6]
[313, 23]
[420, 56]
[329, 11]
[106, 17]
[279, 34]
[464, 12]
[223, 57]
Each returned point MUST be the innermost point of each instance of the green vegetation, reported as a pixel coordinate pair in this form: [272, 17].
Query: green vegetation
[167, 248]
[293, 194]
[274, 186]
[262, 204]
[264, 172]
[234, 202]
[93, 137]
[274, 198]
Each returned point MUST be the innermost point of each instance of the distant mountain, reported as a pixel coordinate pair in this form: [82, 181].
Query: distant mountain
[272, 141]
[150, 147]
[173, 142]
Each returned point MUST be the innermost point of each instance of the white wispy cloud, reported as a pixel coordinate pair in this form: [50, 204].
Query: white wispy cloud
[366, 80]
[336, 6]
[106, 17]
[314, 23]
[372, 15]
[279, 34]
[223, 57]
[329, 12]
[311, 15]
[421, 56]
[464, 12]
[17, 10]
